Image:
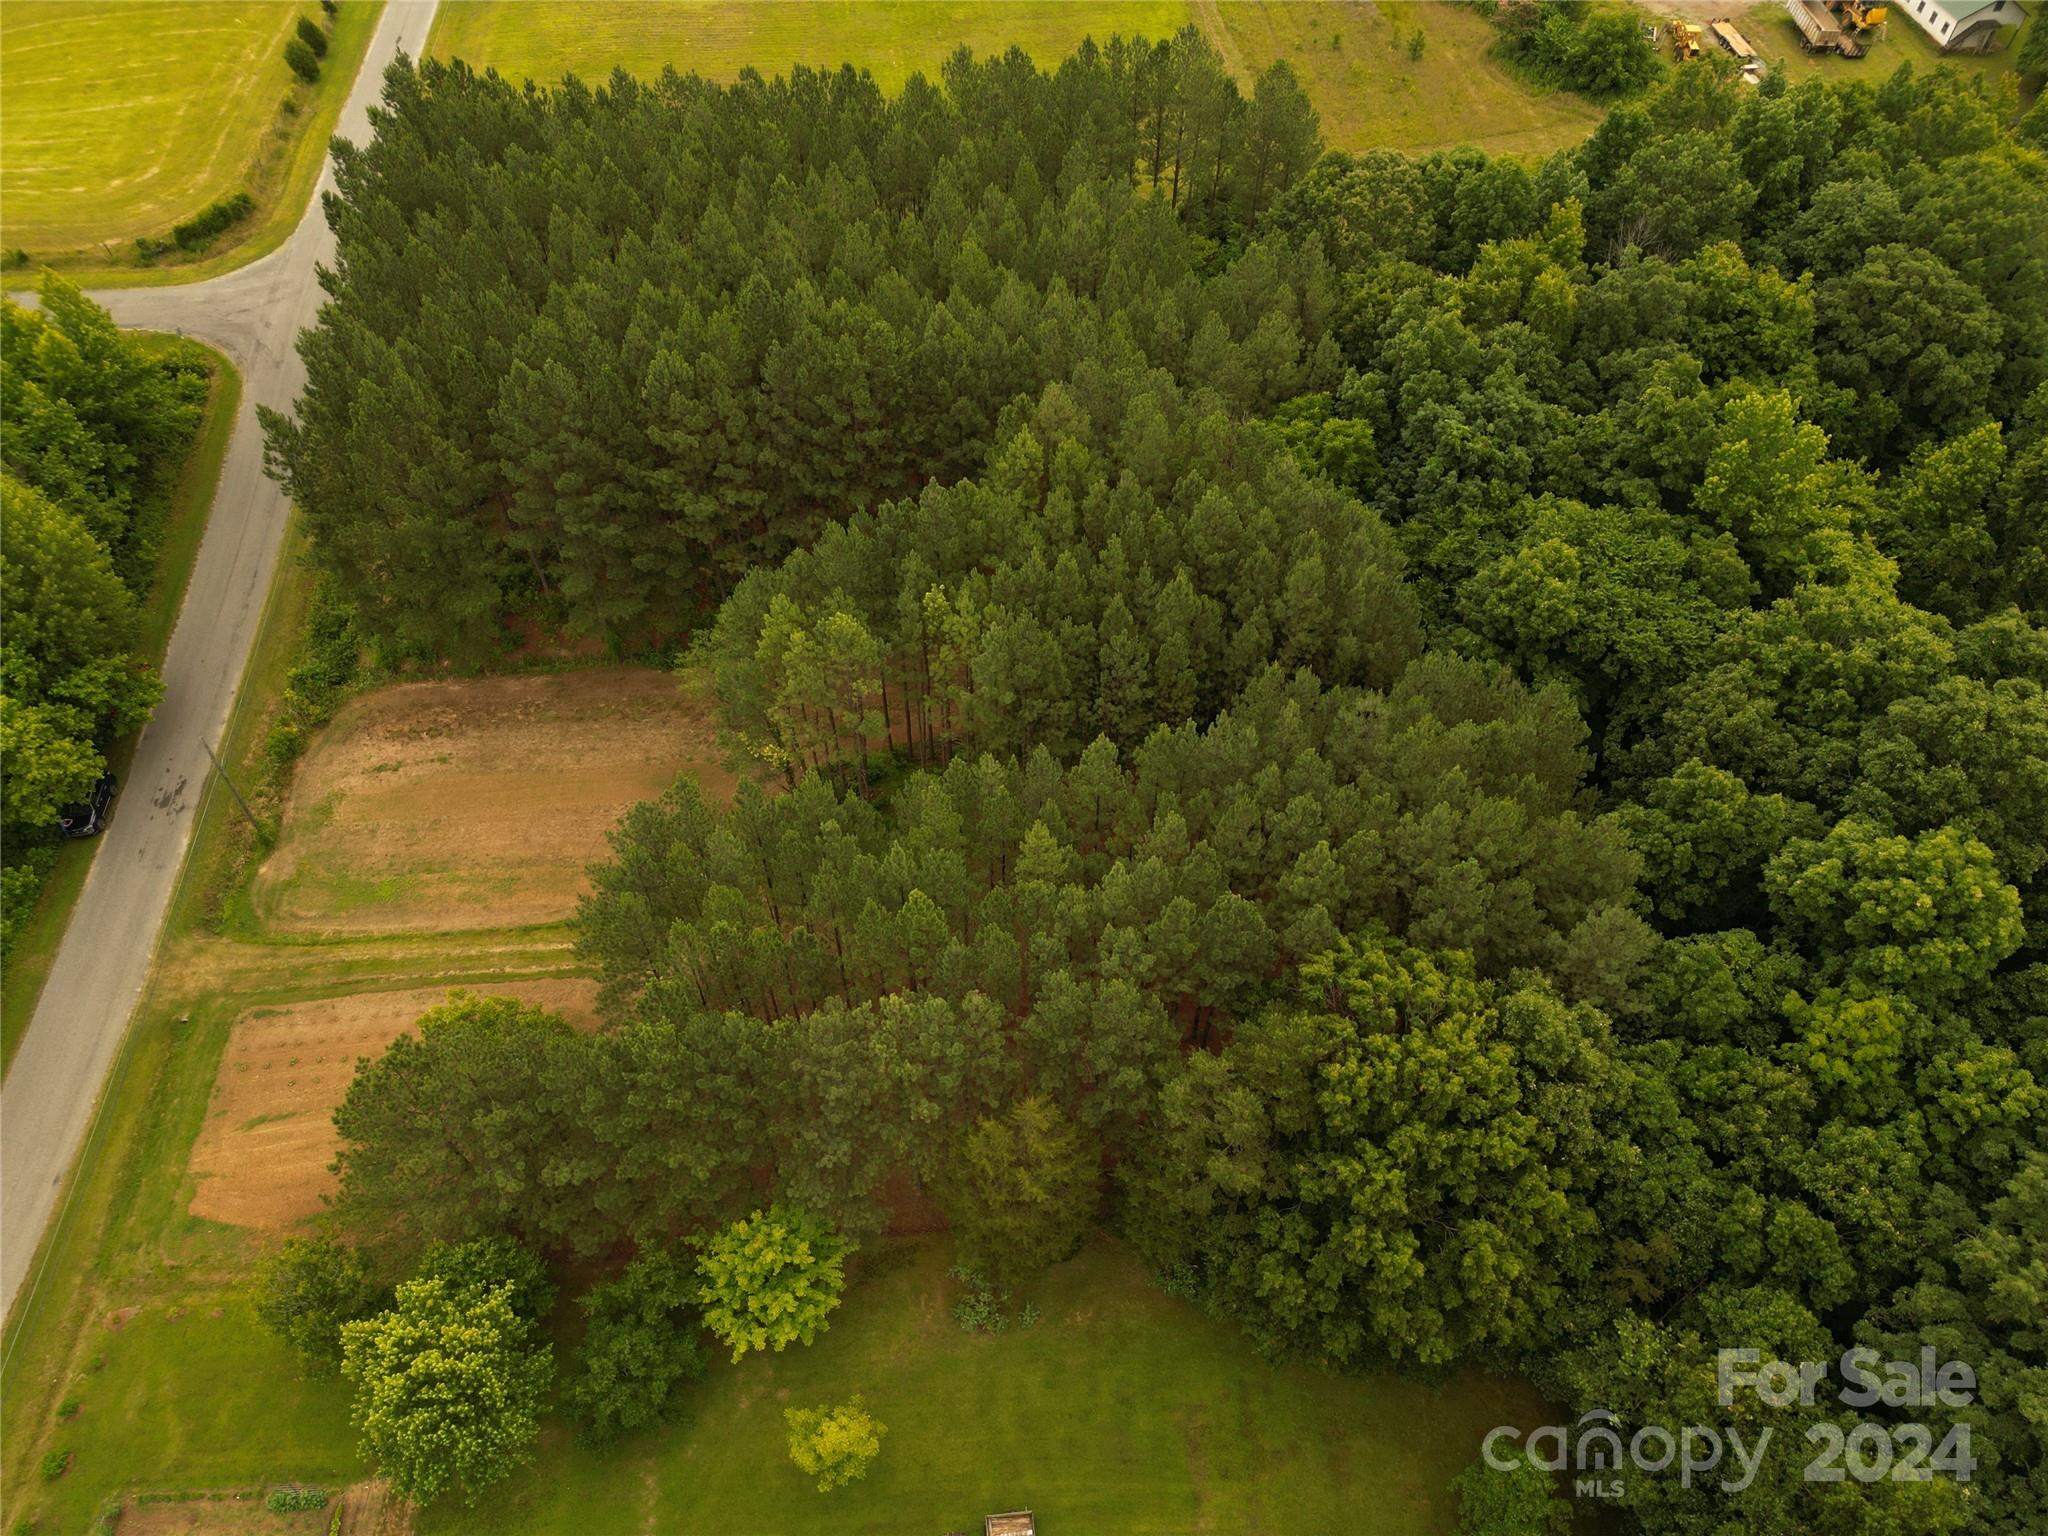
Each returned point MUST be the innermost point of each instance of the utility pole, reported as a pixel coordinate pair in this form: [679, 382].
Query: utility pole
[254, 824]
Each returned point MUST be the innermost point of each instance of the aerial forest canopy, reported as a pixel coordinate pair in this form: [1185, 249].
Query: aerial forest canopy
[1476, 729]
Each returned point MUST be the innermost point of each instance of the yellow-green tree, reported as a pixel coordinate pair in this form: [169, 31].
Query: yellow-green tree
[770, 1278]
[834, 1443]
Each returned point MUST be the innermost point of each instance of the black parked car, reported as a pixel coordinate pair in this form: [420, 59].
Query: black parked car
[91, 817]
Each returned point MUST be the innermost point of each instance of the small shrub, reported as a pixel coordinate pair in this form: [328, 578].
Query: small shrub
[17, 257]
[1524, 1501]
[24, 1526]
[1336, 42]
[292, 1499]
[1415, 45]
[311, 35]
[980, 1308]
[834, 1444]
[1182, 1281]
[199, 231]
[68, 1409]
[1028, 1318]
[328, 667]
[55, 1464]
[302, 61]
[148, 248]
[330, 7]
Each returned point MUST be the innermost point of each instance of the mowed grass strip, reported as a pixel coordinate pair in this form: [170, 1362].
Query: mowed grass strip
[717, 39]
[1371, 93]
[120, 120]
[1353, 59]
[1121, 1410]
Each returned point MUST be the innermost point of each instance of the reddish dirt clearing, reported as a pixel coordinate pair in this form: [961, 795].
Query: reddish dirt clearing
[477, 803]
[262, 1155]
[367, 1509]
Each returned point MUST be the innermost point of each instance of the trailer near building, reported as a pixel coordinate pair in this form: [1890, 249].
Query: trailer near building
[1819, 32]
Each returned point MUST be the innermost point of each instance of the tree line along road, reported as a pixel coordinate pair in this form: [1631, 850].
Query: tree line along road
[253, 314]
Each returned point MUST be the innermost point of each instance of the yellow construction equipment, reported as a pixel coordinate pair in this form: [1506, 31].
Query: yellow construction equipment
[1686, 38]
[1860, 15]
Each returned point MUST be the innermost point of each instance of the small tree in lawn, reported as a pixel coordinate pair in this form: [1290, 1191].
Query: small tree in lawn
[1521, 1501]
[1020, 1190]
[769, 1278]
[834, 1443]
[641, 1344]
[311, 35]
[449, 1387]
[305, 64]
[308, 1289]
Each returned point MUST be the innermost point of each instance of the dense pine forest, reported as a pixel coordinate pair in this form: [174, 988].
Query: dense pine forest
[1471, 733]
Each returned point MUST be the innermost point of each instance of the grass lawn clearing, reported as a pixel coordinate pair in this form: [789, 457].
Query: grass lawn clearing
[476, 803]
[717, 39]
[122, 120]
[1353, 61]
[1368, 90]
[1120, 1411]
[29, 958]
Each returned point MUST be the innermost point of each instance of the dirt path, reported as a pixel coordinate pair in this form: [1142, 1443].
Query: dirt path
[1209, 17]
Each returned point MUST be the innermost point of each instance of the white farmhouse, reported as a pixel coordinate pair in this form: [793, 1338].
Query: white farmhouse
[1963, 26]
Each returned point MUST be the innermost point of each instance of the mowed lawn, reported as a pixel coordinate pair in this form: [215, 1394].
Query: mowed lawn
[1121, 1412]
[121, 119]
[719, 38]
[1355, 64]
[1352, 58]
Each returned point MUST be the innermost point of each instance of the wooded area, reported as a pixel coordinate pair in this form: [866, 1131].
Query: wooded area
[93, 429]
[1477, 730]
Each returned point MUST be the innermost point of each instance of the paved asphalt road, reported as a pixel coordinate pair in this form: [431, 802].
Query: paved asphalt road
[253, 314]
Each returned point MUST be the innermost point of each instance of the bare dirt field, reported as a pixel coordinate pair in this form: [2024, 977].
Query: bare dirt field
[261, 1157]
[367, 1509]
[476, 803]
[222, 1516]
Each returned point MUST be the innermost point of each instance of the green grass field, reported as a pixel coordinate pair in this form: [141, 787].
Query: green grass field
[121, 119]
[1354, 62]
[29, 958]
[1352, 59]
[1120, 1411]
[717, 39]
